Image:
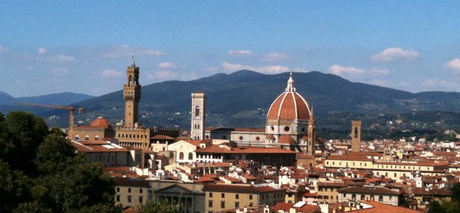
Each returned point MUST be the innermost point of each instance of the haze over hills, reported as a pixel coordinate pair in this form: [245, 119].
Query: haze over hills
[241, 99]
[63, 98]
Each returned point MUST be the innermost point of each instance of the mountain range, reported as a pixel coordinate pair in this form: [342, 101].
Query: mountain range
[242, 99]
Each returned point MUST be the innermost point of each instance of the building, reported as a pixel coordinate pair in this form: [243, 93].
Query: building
[290, 124]
[189, 195]
[130, 192]
[106, 153]
[99, 129]
[369, 192]
[198, 116]
[230, 196]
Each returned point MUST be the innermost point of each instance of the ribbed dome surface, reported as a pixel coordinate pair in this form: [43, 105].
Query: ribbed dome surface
[289, 105]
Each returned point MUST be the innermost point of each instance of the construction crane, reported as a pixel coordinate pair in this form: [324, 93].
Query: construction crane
[71, 110]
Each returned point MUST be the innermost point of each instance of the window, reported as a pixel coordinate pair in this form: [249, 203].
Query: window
[286, 128]
[97, 137]
[222, 204]
[117, 198]
[141, 199]
[190, 156]
[140, 190]
[197, 111]
[181, 156]
[129, 198]
[250, 197]
[129, 190]
[380, 198]
[362, 197]
[237, 204]
[237, 196]
[210, 203]
[241, 137]
[210, 194]
[222, 195]
[118, 189]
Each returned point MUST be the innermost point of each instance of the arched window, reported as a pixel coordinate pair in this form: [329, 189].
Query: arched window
[97, 137]
[197, 111]
[190, 156]
[356, 132]
[77, 137]
[86, 137]
[130, 80]
[181, 156]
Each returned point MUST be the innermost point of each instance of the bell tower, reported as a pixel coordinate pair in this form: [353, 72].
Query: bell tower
[132, 95]
[198, 114]
[355, 136]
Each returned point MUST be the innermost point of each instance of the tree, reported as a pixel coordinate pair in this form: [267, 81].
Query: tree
[435, 207]
[160, 207]
[41, 172]
[455, 191]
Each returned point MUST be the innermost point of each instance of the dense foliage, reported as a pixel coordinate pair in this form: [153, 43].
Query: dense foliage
[41, 172]
[452, 206]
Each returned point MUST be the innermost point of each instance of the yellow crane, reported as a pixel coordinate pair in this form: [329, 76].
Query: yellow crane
[71, 110]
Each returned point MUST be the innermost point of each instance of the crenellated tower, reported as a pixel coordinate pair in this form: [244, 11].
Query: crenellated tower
[132, 95]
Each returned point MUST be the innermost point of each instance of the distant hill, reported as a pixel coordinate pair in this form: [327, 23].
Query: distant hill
[9, 103]
[241, 99]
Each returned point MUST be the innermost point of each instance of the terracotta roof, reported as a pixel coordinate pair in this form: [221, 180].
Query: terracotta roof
[289, 105]
[368, 190]
[378, 207]
[348, 157]
[249, 189]
[101, 122]
[286, 139]
[162, 137]
[431, 192]
[270, 137]
[245, 150]
[285, 207]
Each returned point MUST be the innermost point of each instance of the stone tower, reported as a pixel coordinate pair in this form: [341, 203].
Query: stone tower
[198, 114]
[132, 95]
[355, 136]
[311, 134]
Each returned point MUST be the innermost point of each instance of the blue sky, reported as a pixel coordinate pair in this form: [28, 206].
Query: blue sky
[85, 46]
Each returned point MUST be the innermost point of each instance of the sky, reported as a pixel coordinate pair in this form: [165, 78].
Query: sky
[85, 46]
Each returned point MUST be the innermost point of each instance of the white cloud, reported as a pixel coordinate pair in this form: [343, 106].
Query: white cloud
[453, 65]
[128, 51]
[236, 67]
[239, 53]
[3, 49]
[340, 70]
[60, 71]
[162, 75]
[377, 71]
[64, 58]
[167, 65]
[396, 54]
[112, 73]
[437, 83]
[262, 69]
[213, 69]
[299, 70]
[275, 56]
[41, 51]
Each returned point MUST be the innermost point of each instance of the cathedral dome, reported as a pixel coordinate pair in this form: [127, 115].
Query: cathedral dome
[289, 105]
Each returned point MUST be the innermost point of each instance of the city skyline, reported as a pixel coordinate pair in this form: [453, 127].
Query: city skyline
[84, 47]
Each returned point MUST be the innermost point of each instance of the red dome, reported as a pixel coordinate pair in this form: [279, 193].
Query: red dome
[100, 122]
[289, 105]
